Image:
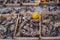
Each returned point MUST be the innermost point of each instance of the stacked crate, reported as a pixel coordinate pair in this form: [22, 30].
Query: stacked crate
[48, 26]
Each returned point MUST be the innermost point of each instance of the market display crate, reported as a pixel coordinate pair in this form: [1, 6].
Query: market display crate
[27, 27]
[50, 26]
[7, 25]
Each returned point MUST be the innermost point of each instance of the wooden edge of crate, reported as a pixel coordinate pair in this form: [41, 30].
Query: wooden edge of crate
[40, 26]
[30, 3]
[54, 12]
[35, 3]
[27, 37]
[7, 15]
[22, 38]
[6, 39]
[48, 3]
[12, 4]
[50, 37]
[16, 27]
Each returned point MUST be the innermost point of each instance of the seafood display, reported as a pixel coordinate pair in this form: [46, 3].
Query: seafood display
[7, 24]
[30, 19]
[51, 25]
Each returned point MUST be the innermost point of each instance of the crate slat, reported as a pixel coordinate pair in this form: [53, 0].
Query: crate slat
[26, 38]
[50, 37]
[30, 3]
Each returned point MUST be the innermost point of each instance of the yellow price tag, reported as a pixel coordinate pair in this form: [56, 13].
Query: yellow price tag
[43, 0]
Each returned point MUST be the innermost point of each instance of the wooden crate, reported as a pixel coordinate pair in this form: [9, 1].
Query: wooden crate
[50, 38]
[20, 30]
[8, 16]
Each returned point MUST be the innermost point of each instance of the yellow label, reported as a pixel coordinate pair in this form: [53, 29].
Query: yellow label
[43, 0]
[35, 15]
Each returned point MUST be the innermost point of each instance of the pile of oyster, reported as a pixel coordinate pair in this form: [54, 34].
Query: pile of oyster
[27, 26]
[51, 25]
[7, 24]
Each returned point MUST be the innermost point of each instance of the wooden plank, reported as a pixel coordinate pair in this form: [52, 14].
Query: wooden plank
[14, 34]
[23, 38]
[49, 3]
[8, 15]
[6, 39]
[26, 38]
[50, 37]
[12, 5]
[40, 27]
[53, 12]
[30, 4]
